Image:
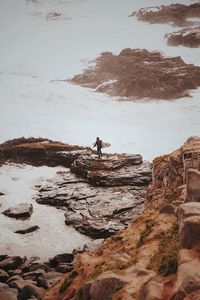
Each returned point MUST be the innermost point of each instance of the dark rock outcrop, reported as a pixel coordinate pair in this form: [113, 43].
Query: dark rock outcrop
[136, 73]
[188, 37]
[109, 193]
[27, 229]
[11, 263]
[20, 211]
[61, 258]
[175, 14]
[3, 276]
[40, 152]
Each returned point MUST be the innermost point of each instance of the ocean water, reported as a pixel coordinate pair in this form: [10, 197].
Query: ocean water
[37, 52]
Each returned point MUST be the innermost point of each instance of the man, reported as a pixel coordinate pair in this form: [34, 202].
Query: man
[98, 144]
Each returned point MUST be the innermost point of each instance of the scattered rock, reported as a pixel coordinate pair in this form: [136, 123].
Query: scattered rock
[27, 229]
[20, 211]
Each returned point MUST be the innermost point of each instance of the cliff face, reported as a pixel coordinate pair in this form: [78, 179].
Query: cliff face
[157, 256]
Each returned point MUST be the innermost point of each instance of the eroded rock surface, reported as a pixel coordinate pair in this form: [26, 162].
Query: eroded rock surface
[136, 73]
[175, 14]
[170, 175]
[94, 211]
[188, 37]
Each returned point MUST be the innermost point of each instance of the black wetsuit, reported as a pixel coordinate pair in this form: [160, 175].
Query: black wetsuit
[98, 143]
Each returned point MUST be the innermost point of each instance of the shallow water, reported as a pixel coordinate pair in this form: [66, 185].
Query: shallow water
[53, 237]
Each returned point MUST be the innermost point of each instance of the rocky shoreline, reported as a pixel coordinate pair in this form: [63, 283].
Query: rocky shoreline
[127, 75]
[99, 196]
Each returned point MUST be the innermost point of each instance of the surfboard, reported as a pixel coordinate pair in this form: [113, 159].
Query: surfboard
[105, 145]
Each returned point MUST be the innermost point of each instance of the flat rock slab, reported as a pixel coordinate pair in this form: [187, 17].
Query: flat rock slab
[20, 211]
[95, 211]
[40, 152]
[27, 229]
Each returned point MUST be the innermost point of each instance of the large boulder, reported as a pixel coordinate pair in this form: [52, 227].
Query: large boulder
[190, 232]
[188, 275]
[11, 263]
[30, 290]
[3, 276]
[105, 286]
[20, 211]
[189, 221]
[8, 294]
[193, 185]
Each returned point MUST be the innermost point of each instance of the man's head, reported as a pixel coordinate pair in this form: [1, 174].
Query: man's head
[97, 138]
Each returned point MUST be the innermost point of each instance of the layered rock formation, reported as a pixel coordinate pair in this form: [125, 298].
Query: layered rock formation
[136, 73]
[175, 14]
[188, 37]
[105, 196]
[169, 172]
[40, 152]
